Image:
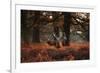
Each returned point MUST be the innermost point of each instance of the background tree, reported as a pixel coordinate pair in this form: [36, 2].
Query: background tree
[80, 24]
[67, 22]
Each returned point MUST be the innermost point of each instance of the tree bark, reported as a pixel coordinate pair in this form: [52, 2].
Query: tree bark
[24, 34]
[67, 21]
[36, 32]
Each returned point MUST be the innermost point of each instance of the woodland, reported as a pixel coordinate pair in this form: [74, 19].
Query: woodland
[54, 36]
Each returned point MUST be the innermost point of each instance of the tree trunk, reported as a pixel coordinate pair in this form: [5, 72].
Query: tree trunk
[67, 21]
[36, 32]
[24, 34]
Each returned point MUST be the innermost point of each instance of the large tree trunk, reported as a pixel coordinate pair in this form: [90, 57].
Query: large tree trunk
[36, 32]
[24, 34]
[67, 21]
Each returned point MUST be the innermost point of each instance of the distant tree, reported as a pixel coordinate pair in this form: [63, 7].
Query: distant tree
[81, 21]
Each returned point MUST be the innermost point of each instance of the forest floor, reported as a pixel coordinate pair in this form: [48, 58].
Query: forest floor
[43, 52]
